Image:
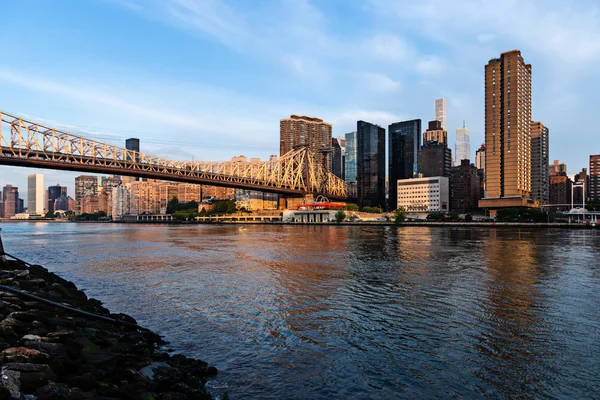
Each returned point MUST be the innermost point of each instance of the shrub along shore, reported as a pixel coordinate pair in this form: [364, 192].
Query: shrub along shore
[64, 352]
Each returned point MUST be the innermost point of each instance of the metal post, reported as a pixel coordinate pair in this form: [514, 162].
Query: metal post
[2, 256]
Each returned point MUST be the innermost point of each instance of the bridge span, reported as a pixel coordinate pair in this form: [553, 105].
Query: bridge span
[28, 144]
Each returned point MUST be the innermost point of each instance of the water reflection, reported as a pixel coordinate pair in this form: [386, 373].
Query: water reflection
[350, 312]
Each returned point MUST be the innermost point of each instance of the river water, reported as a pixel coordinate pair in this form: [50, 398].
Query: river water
[321, 312]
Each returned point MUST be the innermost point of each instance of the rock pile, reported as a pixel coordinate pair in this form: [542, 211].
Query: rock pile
[52, 353]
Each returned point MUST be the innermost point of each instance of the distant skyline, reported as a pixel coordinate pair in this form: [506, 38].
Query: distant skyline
[208, 80]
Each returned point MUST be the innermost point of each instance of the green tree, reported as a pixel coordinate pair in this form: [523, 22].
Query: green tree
[172, 205]
[372, 210]
[340, 216]
[399, 215]
[593, 205]
[50, 214]
[351, 207]
[436, 216]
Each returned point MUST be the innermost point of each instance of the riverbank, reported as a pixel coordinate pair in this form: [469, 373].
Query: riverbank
[76, 349]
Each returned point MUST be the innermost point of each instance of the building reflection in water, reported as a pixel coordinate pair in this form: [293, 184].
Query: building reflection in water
[511, 338]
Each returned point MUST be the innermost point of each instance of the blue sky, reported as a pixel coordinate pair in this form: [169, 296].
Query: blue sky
[208, 79]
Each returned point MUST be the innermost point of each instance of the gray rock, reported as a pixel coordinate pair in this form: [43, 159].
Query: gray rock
[148, 370]
[11, 380]
[100, 358]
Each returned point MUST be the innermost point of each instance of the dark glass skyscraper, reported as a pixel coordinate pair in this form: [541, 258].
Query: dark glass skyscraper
[54, 193]
[404, 144]
[370, 157]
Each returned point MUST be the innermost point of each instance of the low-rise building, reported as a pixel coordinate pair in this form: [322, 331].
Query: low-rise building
[424, 194]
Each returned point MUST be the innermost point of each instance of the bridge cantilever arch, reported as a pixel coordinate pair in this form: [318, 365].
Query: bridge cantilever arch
[295, 174]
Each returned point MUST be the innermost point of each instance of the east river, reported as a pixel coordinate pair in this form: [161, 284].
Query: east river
[322, 312]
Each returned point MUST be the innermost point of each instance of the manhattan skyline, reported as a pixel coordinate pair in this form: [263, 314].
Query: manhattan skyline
[210, 80]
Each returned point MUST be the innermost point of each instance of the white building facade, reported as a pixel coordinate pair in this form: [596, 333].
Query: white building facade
[35, 194]
[440, 112]
[424, 194]
[463, 145]
[120, 202]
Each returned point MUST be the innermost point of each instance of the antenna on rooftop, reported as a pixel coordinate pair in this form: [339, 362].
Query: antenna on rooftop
[464, 124]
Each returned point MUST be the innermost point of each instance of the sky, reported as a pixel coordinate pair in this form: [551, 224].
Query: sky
[209, 79]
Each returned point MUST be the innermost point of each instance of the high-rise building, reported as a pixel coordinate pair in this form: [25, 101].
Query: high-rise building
[350, 160]
[187, 192]
[435, 159]
[463, 145]
[54, 193]
[404, 142]
[10, 196]
[133, 144]
[62, 203]
[35, 194]
[85, 185]
[480, 158]
[435, 133]
[540, 152]
[337, 167]
[582, 191]
[300, 131]
[560, 191]
[465, 187]
[143, 198]
[557, 168]
[595, 177]
[120, 202]
[507, 132]
[370, 177]
[440, 112]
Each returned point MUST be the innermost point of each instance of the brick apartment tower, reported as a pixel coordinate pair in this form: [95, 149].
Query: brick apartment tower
[594, 177]
[508, 132]
[301, 131]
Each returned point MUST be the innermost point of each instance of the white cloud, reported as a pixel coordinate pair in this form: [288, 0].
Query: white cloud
[379, 82]
[388, 47]
[430, 66]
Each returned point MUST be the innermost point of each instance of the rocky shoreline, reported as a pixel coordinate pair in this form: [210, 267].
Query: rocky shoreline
[53, 352]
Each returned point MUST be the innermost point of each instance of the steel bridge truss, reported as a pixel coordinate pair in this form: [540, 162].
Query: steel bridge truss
[29, 144]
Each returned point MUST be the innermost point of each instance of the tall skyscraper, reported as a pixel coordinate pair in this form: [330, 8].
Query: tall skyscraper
[301, 131]
[435, 133]
[595, 177]
[35, 194]
[440, 112]
[507, 132]
[132, 144]
[54, 193]
[370, 177]
[351, 157]
[404, 142]
[337, 155]
[463, 145]
[540, 178]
